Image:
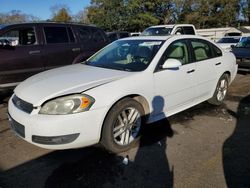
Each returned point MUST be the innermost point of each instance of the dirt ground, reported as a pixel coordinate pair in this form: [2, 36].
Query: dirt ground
[204, 146]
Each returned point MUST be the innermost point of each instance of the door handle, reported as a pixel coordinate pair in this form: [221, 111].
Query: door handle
[34, 52]
[217, 64]
[76, 49]
[190, 71]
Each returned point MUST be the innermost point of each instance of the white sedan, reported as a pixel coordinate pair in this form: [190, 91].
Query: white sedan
[129, 83]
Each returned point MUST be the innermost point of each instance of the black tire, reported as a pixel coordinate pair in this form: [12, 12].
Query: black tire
[108, 139]
[216, 100]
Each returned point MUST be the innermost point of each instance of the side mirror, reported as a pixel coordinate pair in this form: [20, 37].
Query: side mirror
[232, 46]
[171, 64]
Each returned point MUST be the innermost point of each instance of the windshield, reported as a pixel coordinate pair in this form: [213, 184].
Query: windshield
[2, 26]
[244, 43]
[228, 40]
[157, 31]
[127, 55]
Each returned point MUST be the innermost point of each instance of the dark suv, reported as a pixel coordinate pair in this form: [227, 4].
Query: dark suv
[29, 48]
[242, 53]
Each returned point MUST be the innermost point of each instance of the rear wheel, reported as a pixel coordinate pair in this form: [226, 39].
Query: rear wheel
[220, 91]
[121, 129]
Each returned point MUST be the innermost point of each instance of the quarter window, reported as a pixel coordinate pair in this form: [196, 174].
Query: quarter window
[19, 37]
[84, 34]
[56, 35]
[202, 50]
[97, 36]
[217, 51]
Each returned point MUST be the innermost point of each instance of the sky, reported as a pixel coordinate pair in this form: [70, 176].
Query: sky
[41, 8]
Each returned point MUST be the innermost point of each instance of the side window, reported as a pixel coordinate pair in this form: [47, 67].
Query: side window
[84, 34]
[19, 37]
[56, 35]
[177, 50]
[97, 35]
[217, 51]
[202, 50]
[188, 30]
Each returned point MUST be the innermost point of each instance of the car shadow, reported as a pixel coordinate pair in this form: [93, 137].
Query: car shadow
[149, 168]
[94, 167]
[148, 164]
[236, 149]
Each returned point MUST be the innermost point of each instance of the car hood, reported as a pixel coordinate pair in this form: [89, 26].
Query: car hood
[66, 80]
[241, 52]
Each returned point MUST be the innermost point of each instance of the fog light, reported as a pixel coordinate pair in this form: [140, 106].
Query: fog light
[55, 140]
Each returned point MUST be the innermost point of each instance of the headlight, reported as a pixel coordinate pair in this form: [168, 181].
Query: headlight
[67, 105]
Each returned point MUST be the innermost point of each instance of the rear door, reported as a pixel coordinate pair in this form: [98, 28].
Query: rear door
[208, 65]
[91, 40]
[57, 46]
[24, 57]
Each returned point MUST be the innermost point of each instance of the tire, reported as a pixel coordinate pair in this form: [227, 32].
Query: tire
[220, 91]
[122, 126]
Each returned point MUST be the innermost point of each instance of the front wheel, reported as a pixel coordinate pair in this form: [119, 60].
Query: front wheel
[121, 128]
[220, 91]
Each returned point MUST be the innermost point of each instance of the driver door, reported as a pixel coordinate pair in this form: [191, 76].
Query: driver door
[176, 86]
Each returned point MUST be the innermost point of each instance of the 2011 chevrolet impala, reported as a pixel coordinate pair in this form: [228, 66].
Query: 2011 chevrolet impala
[108, 98]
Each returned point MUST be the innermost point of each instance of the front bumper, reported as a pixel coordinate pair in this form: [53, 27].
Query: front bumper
[244, 63]
[85, 126]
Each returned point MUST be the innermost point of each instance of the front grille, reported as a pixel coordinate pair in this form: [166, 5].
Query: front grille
[22, 105]
[17, 127]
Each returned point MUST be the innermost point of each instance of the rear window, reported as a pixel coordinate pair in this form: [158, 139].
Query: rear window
[156, 31]
[188, 30]
[56, 35]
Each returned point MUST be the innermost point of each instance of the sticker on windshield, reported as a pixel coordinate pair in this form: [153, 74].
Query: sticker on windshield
[152, 43]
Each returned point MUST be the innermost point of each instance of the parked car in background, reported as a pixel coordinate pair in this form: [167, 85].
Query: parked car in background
[226, 43]
[135, 34]
[29, 48]
[242, 53]
[163, 30]
[117, 35]
[108, 97]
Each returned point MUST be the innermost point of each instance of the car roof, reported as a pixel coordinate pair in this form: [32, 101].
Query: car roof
[170, 25]
[49, 23]
[165, 37]
[117, 32]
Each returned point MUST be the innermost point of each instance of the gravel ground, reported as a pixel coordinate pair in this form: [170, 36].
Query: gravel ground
[204, 146]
